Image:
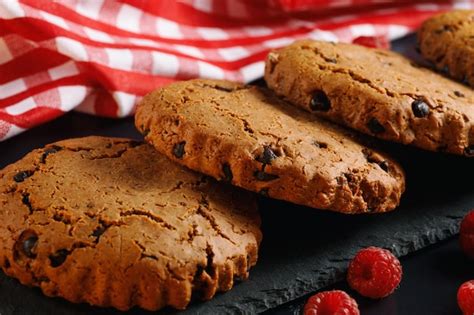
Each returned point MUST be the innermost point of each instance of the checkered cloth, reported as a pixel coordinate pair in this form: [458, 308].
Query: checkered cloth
[102, 56]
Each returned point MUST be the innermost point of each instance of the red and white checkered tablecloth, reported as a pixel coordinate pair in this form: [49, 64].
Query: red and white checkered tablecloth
[102, 56]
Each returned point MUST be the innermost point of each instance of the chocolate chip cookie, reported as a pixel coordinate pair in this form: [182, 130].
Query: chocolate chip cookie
[377, 92]
[112, 222]
[447, 40]
[247, 136]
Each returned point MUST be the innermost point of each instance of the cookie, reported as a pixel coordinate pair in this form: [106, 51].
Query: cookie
[245, 135]
[377, 92]
[111, 222]
[447, 40]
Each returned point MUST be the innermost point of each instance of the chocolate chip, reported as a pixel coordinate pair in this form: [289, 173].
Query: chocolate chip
[320, 102]
[60, 217]
[26, 201]
[376, 158]
[445, 70]
[420, 108]
[384, 165]
[445, 28]
[374, 126]
[21, 176]
[458, 94]
[350, 178]
[320, 144]
[268, 156]
[223, 88]
[29, 245]
[265, 177]
[228, 176]
[144, 131]
[178, 149]
[25, 245]
[97, 233]
[6, 264]
[49, 151]
[469, 151]
[58, 258]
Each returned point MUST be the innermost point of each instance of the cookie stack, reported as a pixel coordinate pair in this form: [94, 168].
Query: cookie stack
[115, 222]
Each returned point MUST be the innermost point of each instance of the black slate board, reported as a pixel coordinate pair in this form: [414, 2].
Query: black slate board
[303, 249]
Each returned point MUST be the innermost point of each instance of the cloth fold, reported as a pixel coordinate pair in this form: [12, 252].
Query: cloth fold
[102, 56]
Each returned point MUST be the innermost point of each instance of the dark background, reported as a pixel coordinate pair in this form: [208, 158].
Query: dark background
[305, 250]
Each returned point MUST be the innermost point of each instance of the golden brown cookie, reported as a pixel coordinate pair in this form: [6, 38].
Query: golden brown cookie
[377, 92]
[112, 222]
[247, 136]
[447, 40]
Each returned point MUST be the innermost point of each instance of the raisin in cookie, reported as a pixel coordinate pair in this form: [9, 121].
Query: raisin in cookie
[447, 40]
[247, 136]
[111, 222]
[377, 92]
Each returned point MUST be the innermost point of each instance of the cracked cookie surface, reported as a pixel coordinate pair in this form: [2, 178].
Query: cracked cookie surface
[112, 222]
[447, 40]
[247, 136]
[377, 92]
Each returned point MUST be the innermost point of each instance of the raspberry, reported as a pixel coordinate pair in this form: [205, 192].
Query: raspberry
[466, 234]
[466, 297]
[374, 272]
[372, 41]
[331, 303]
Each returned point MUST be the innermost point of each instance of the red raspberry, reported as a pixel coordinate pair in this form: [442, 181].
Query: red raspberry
[331, 303]
[374, 272]
[466, 234]
[372, 41]
[466, 297]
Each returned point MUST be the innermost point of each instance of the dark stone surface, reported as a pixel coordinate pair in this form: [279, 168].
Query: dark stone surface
[303, 249]
[431, 278]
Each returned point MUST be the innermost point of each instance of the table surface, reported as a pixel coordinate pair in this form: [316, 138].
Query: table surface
[431, 276]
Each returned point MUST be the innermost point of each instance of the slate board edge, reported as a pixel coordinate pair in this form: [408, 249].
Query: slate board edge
[337, 272]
